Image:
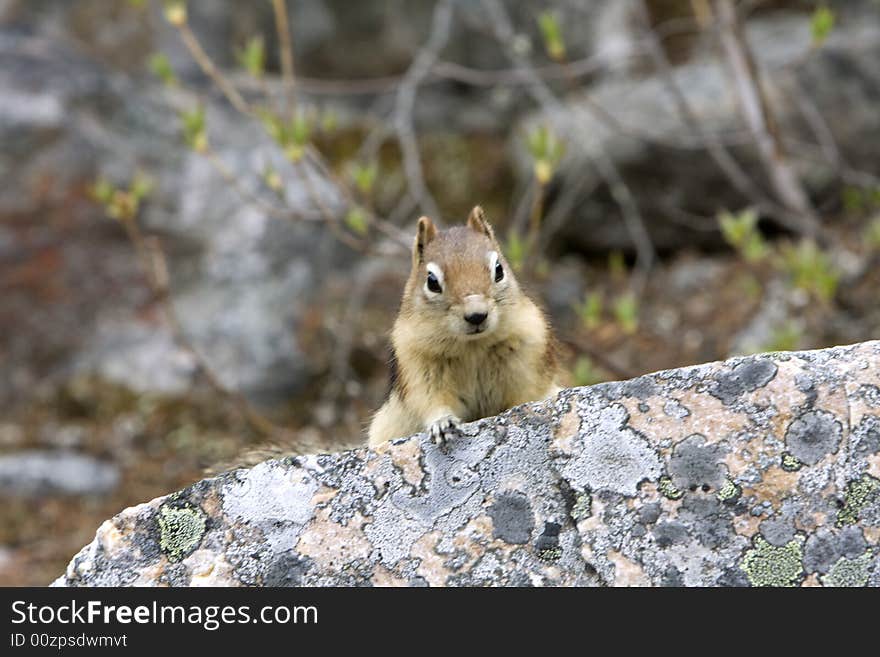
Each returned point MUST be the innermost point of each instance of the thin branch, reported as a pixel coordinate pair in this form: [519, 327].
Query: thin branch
[282, 26]
[716, 150]
[753, 102]
[620, 191]
[405, 103]
[208, 68]
[155, 267]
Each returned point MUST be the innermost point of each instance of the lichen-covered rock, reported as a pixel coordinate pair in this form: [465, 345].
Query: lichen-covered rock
[761, 471]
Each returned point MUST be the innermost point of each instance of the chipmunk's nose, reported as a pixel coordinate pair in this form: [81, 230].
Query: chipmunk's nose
[476, 318]
[476, 309]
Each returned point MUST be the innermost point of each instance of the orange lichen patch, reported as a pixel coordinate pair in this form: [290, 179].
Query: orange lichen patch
[874, 465]
[736, 462]
[150, 575]
[211, 504]
[373, 465]
[776, 484]
[431, 566]
[384, 577]
[811, 581]
[781, 391]
[648, 493]
[474, 536]
[861, 364]
[331, 544]
[808, 524]
[858, 409]
[594, 520]
[872, 534]
[568, 428]
[746, 524]
[323, 494]
[708, 416]
[587, 552]
[406, 457]
[626, 572]
[110, 537]
[670, 507]
[208, 569]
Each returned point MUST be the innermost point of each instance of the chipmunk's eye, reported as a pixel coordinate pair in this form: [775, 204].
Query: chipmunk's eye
[433, 283]
[499, 272]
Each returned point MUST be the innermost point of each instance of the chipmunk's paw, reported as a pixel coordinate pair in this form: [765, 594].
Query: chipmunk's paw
[442, 428]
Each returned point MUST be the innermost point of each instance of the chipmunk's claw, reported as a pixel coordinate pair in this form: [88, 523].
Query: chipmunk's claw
[442, 428]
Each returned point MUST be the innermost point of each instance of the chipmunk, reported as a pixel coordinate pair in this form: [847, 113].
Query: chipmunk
[467, 342]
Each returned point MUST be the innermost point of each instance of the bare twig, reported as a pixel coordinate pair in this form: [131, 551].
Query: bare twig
[282, 27]
[716, 150]
[239, 103]
[802, 217]
[405, 103]
[208, 68]
[155, 267]
[620, 191]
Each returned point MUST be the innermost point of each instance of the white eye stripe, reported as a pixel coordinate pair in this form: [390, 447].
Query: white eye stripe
[434, 268]
[493, 260]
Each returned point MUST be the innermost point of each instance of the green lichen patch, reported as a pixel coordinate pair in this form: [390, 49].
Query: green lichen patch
[769, 565]
[729, 491]
[858, 494]
[180, 530]
[668, 489]
[790, 463]
[550, 554]
[583, 507]
[849, 572]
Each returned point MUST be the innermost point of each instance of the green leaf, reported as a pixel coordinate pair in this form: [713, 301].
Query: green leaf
[585, 373]
[356, 219]
[194, 128]
[821, 24]
[551, 32]
[253, 57]
[784, 338]
[141, 187]
[364, 176]
[741, 232]
[175, 12]
[853, 200]
[626, 312]
[590, 310]
[516, 250]
[160, 66]
[329, 121]
[616, 265]
[872, 234]
[810, 269]
[102, 191]
[273, 179]
[301, 129]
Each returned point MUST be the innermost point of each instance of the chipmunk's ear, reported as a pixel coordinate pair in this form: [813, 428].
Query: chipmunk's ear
[477, 221]
[424, 236]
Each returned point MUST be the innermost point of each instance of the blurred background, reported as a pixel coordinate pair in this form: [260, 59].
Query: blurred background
[206, 210]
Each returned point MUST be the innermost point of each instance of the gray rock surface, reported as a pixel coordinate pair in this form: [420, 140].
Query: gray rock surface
[635, 121]
[766, 472]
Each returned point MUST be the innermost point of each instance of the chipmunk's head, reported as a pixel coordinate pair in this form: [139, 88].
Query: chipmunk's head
[460, 282]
